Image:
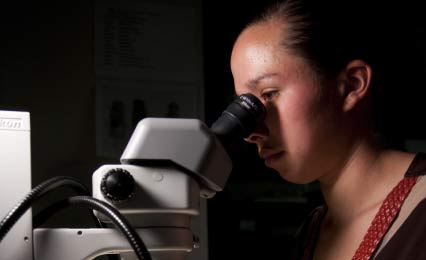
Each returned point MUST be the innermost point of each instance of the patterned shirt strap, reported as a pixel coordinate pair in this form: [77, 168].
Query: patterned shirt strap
[384, 218]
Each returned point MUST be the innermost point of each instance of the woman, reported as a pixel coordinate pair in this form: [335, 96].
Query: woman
[310, 64]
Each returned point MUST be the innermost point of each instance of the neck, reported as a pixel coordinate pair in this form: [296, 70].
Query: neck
[362, 182]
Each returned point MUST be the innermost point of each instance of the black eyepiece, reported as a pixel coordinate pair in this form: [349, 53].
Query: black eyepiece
[239, 119]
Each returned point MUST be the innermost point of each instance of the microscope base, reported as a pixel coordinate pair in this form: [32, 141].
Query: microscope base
[76, 244]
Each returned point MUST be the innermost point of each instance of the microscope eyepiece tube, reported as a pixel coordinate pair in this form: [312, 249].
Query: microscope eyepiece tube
[239, 119]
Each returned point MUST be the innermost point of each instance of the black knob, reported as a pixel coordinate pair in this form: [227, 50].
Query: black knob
[117, 185]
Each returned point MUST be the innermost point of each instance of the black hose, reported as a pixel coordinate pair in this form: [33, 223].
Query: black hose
[46, 213]
[120, 222]
[38, 192]
[51, 210]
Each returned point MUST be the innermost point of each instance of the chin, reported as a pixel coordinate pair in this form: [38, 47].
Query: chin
[296, 178]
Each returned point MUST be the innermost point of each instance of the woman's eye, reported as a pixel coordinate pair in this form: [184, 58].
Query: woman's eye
[269, 95]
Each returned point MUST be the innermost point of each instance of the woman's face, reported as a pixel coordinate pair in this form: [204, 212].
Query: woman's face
[300, 135]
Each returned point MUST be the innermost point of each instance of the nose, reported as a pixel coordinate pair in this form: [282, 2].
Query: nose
[258, 135]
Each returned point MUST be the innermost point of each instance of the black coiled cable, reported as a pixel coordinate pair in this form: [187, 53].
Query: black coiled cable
[85, 201]
[120, 222]
[35, 194]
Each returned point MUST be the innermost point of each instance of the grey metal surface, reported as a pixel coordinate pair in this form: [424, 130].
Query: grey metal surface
[162, 196]
[15, 174]
[81, 244]
[187, 142]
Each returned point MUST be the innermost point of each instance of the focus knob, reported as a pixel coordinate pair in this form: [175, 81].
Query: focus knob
[117, 185]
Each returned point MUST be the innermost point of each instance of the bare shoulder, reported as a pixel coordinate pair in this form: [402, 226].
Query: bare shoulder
[397, 162]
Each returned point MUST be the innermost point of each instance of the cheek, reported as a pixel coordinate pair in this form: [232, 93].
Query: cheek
[300, 119]
[299, 108]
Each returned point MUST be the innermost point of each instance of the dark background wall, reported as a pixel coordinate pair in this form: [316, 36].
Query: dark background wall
[47, 68]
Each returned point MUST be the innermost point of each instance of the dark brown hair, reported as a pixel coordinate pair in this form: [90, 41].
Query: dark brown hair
[327, 33]
[331, 33]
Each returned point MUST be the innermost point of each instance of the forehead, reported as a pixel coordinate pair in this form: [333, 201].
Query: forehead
[259, 39]
[258, 55]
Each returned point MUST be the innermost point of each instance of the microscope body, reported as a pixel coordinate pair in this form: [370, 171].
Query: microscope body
[170, 164]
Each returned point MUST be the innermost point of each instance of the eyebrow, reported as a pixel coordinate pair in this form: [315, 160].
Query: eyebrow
[252, 84]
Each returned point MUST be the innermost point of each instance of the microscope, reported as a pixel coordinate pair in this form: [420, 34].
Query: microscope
[167, 166]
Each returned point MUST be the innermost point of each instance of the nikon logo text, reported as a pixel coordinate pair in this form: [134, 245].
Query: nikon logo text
[10, 123]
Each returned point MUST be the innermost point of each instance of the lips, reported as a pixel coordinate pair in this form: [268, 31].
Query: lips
[270, 156]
